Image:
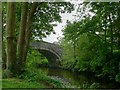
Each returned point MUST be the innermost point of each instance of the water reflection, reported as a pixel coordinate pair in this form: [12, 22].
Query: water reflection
[74, 78]
[54, 72]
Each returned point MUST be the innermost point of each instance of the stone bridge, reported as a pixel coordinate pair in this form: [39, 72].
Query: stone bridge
[51, 51]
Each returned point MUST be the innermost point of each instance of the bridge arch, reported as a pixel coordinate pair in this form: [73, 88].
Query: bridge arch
[51, 51]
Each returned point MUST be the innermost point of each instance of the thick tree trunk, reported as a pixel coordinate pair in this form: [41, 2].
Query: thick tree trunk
[21, 39]
[29, 29]
[11, 40]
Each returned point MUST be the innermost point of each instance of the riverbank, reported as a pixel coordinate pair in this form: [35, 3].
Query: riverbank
[56, 78]
[83, 80]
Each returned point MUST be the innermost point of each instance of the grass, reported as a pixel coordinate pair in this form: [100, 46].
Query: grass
[31, 78]
[19, 83]
[37, 75]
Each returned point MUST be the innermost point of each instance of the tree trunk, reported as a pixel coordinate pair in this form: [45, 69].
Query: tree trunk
[11, 40]
[27, 38]
[28, 30]
[1, 37]
[21, 39]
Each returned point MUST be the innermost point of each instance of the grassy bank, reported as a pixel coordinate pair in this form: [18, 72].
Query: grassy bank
[19, 83]
[31, 78]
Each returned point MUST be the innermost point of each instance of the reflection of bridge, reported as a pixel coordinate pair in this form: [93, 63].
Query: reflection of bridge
[52, 52]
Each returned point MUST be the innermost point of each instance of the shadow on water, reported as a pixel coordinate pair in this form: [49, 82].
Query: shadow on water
[74, 78]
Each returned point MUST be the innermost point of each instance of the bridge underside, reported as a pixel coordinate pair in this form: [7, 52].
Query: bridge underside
[53, 60]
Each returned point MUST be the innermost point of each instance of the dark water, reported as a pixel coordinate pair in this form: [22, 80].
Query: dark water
[81, 80]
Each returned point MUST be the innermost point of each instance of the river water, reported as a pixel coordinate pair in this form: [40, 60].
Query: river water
[76, 80]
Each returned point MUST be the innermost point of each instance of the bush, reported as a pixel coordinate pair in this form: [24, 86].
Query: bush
[34, 58]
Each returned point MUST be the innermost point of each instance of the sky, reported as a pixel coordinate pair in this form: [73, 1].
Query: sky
[66, 16]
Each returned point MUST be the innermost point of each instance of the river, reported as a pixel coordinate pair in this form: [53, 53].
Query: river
[76, 80]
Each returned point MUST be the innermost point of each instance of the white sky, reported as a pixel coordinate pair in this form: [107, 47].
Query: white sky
[66, 16]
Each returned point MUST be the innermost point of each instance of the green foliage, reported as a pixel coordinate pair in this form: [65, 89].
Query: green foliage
[117, 78]
[92, 44]
[94, 85]
[33, 73]
[46, 14]
[68, 57]
[87, 85]
[36, 75]
[90, 54]
[34, 58]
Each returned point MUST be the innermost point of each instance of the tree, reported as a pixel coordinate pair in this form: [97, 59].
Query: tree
[24, 35]
[21, 39]
[108, 12]
[34, 21]
[11, 39]
[96, 39]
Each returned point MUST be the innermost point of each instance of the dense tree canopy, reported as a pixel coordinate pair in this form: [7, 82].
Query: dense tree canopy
[95, 41]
